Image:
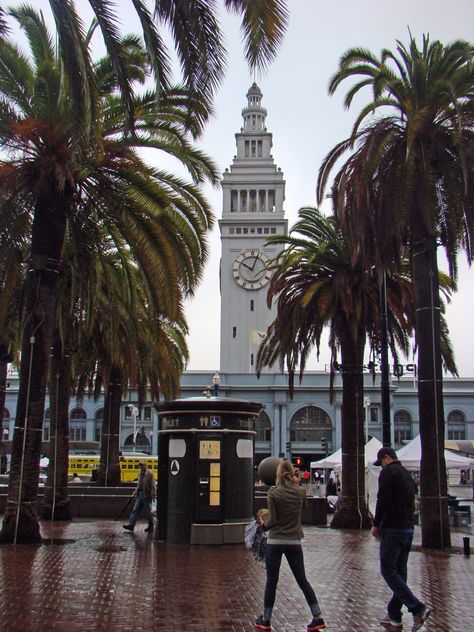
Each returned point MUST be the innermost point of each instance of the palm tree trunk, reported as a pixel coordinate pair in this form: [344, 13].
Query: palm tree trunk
[353, 512]
[433, 477]
[56, 504]
[3, 393]
[20, 523]
[109, 468]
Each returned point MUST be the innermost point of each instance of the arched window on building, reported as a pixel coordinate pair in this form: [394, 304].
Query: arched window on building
[311, 424]
[98, 421]
[142, 445]
[263, 427]
[46, 425]
[402, 426]
[77, 425]
[6, 424]
[456, 425]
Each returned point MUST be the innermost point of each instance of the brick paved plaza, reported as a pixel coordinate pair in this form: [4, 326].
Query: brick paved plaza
[99, 578]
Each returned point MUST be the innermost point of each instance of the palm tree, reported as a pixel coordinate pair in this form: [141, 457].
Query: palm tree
[196, 36]
[410, 182]
[49, 114]
[127, 345]
[318, 282]
[51, 172]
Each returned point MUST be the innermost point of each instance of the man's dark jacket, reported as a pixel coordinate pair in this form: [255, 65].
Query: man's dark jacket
[395, 498]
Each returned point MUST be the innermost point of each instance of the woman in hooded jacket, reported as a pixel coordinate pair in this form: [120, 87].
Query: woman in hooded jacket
[283, 523]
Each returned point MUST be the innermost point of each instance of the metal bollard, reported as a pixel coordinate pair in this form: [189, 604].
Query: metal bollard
[466, 545]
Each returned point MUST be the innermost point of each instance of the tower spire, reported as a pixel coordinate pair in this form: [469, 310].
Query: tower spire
[253, 192]
[254, 114]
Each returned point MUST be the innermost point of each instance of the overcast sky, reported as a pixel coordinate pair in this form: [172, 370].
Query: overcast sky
[306, 123]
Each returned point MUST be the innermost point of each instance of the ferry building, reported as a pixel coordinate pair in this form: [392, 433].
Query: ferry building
[308, 426]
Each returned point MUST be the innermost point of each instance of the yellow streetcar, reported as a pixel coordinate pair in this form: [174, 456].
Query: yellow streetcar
[84, 464]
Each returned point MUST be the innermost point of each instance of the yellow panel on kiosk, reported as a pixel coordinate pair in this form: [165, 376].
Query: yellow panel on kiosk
[215, 484]
[215, 469]
[214, 499]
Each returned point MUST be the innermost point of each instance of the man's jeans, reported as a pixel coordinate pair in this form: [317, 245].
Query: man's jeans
[141, 503]
[395, 546]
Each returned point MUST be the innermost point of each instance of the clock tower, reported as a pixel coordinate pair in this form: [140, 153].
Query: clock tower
[253, 193]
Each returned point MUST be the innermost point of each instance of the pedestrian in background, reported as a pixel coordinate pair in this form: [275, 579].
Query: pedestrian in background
[144, 494]
[296, 476]
[331, 488]
[283, 521]
[394, 524]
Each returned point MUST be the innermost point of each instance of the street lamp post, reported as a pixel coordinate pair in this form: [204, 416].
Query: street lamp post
[366, 423]
[216, 381]
[135, 412]
[384, 368]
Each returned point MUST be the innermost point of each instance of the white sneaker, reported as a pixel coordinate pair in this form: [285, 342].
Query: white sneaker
[391, 625]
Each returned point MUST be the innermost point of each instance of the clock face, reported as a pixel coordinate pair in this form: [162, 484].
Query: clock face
[250, 270]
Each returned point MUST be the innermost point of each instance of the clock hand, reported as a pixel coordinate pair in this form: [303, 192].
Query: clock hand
[244, 265]
[254, 263]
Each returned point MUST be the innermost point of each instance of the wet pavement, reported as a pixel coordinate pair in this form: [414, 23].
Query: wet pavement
[90, 575]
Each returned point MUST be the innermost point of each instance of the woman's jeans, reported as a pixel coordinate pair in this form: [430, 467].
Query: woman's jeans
[141, 502]
[395, 545]
[294, 555]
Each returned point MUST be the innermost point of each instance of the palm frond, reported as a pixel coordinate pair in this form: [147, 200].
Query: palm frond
[263, 26]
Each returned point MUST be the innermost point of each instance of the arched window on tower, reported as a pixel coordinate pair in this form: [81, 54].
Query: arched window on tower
[456, 425]
[402, 426]
[234, 201]
[46, 425]
[311, 424]
[263, 427]
[243, 202]
[271, 200]
[253, 201]
[77, 425]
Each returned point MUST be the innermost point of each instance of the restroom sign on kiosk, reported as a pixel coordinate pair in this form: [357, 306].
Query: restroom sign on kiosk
[210, 450]
[174, 467]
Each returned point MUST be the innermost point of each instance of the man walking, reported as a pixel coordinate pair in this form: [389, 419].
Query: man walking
[144, 493]
[394, 524]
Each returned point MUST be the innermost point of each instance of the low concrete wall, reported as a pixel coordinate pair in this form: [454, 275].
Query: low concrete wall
[88, 501]
[314, 511]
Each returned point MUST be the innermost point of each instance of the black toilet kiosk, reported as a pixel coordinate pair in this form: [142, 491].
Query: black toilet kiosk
[205, 469]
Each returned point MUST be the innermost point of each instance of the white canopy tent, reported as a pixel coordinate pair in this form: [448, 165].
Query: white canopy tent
[334, 461]
[410, 457]
[329, 462]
